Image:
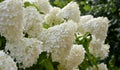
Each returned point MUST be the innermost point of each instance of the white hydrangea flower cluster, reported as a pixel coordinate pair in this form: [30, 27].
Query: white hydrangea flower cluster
[77, 54]
[98, 28]
[52, 18]
[32, 21]
[70, 11]
[11, 19]
[43, 5]
[6, 62]
[57, 39]
[75, 57]
[101, 66]
[98, 49]
[25, 51]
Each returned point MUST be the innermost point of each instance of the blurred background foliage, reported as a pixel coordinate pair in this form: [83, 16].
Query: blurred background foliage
[106, 8]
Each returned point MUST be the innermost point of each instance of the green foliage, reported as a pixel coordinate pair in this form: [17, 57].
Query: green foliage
[89, 61]
[46, 26]
[1, 0]
[84, 40]
[59, 3]
[87, 7]
[44, 62]
[27, 4]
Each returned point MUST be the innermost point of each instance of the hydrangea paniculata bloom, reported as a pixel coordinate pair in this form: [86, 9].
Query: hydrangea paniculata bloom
[98, 48]
[25, 51]
[96, 26]
[52, 19]
[70, 12]
[6, 62]
[11, 19]
[32, 21]
[75, 57]
[101, 66]
[85, 18]
[43, 5]
[58, 39]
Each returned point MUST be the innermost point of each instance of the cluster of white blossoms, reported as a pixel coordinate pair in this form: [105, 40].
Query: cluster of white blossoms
[98, 28]
[15, 20]
[101, 66]
[26, 51]
[32, 21]
[58, 39]
[11, 19]
[75, 57]
[6, 62]
[52, 18]
[98, 48]
[43, 5]
[70, 11]
[77, 54]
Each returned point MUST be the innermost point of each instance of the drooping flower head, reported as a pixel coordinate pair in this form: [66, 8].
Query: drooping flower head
[6, 62]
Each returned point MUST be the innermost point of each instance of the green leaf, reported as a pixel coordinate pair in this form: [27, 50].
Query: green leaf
[84, 40]
[87, 7]
[42, 57]
[46, 61]
[46, 26]
[48, 65]
[1, 0]
[55, 64]
[26, 4]
[82, 3]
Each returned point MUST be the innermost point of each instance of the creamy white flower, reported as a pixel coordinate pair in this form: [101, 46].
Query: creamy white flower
[58, 39]
[6, 62]
[43, 5]
[101, 66]
[85, 18]
[96, 26]
[11, 19]
[75, 69]
[52, 19]
[25, 51]
[32, 21]
[105, 51]
[98, 48]
[76, 57]
[70, 11]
